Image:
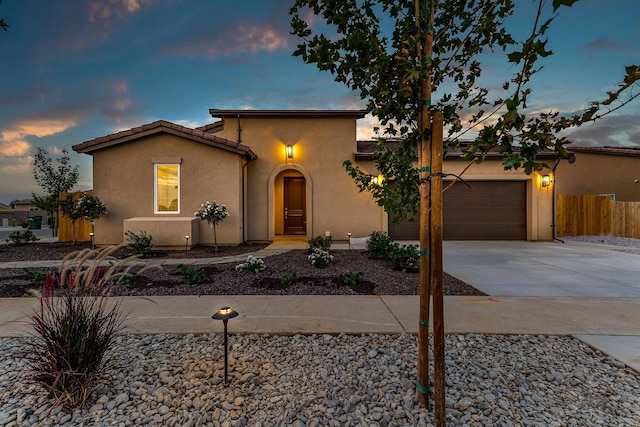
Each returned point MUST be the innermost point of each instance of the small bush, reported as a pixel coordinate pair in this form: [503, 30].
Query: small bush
[379, 246]
[252, 265]
[352, 279]
[289, 278]
[37, 277]
[20, 238]
[405, 258]
[320, 242]
[75, 333]
[320, 258]
[193, 275]
[139, 243]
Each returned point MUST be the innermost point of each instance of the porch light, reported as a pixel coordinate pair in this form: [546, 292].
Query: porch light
[224, 314]
[289, 152]
[545, 181]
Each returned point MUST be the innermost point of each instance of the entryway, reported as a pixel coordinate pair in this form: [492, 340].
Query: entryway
[295, 201]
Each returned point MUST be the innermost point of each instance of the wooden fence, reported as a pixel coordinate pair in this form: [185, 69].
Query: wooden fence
[83, 227]
[582, 215]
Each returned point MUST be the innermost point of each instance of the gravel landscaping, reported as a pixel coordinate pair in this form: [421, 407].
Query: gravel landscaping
[345, 380]
[323, 380]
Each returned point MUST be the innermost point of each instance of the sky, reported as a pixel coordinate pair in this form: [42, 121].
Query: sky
[75, 70]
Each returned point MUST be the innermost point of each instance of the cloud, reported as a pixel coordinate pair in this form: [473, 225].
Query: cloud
[12, 137]
[619, 130]
[104, 10]
[242, 38]
[16, 165]
[604, 44]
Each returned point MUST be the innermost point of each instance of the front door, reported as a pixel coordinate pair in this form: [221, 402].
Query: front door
[295, 218]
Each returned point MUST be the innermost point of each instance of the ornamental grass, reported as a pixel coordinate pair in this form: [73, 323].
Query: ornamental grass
[76, 325]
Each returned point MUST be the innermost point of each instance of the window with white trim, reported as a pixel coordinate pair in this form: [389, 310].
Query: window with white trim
[167, 188]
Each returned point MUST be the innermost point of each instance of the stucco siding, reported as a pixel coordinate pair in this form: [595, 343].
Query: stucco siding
[320, 146]
[600, 174]
[124, 180]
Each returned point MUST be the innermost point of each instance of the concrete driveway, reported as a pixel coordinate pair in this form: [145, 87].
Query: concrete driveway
[544, 269]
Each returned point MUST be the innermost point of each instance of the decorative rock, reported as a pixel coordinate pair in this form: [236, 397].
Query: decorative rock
[325, 380]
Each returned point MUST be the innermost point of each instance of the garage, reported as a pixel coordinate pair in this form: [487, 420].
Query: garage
[489, 210]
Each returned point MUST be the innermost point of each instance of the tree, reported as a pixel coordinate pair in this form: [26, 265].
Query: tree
[396, 53]
[213, 214]
[53, 180]
[87, 207]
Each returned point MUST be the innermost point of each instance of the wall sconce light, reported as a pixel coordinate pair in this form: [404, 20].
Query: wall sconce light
[545, 181]
[289, 152]
[224, 314]
[186, 244]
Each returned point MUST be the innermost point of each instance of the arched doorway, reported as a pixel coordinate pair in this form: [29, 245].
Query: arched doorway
[290, 201]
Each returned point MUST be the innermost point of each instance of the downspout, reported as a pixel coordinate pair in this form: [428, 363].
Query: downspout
[243, 221]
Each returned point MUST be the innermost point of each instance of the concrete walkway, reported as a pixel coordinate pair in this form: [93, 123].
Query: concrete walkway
[584, 290]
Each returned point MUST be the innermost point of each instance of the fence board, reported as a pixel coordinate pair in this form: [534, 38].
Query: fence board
[588, 215]
[83, 227]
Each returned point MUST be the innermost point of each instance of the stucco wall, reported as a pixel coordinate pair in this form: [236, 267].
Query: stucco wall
[123, 178]
[600, 174]
[320, 146]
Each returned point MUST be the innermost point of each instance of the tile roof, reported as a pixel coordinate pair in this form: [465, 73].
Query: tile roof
[614, 151]
[163, 126]
[365, 150]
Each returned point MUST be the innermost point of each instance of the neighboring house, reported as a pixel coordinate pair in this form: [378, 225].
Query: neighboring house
[21, 211]
[280, 173]
[601, 170]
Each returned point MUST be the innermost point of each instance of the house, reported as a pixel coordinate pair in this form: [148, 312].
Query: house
[611, 171]
[279, 172]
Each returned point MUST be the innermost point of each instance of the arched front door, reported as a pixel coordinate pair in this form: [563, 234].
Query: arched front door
[295, 201]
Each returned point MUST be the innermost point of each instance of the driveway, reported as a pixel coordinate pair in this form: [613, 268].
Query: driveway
[544, 269]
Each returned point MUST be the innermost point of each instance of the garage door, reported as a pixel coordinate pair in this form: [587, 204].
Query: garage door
[490, 210]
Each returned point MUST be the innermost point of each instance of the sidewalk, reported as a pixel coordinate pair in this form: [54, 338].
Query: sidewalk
[607, 323]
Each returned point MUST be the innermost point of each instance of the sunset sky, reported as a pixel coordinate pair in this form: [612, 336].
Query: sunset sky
[75, 70]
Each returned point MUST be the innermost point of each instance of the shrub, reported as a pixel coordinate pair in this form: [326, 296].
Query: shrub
[75, 333]
[193, 275]
[320, 242]
[139, 243]
[289, 278]
[405, 258]
[252, 265]
[37, 277]
[320, 258]
[19, 238]
[379, 245]
[352, 279]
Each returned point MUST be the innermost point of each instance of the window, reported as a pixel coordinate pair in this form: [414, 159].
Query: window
[167, 188]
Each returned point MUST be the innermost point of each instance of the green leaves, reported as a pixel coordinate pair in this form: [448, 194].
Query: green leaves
[375, 47]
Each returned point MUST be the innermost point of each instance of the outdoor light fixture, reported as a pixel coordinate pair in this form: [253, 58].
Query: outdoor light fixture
[186, 244]
[289, 151]
[92, 244]
[349, 235]
[545, 181]
[374, 179]
[224, 314]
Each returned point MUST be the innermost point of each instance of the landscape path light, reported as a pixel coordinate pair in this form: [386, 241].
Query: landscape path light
[349, 235]
[92, 245]
[224, 314]
[186, 244]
